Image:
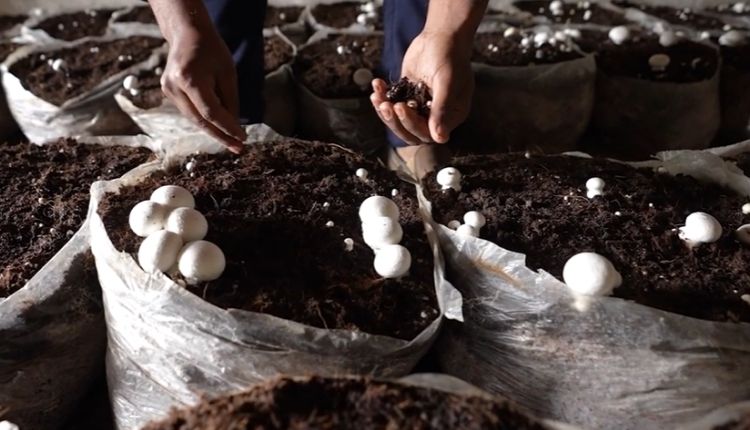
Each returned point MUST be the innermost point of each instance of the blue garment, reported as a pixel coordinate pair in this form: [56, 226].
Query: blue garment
[240, 24]
[403, 21]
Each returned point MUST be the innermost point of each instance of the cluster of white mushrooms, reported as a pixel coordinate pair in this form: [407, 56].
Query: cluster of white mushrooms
[174, 230]
[131, 83]
[450, 178]
[368, 13]
[383, 233]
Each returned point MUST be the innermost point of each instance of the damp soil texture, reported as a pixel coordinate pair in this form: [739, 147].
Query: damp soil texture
[677, 16]
[497, 49]
[344, 14]
[574, 13]
[688, 61]
[280, 16]
[416, 95]
[142, 14]
[538, 206]
[9, 21]
[77, 25]
[85, 66]
[45, 199]
[281, 213]
[327, 67]
[321, 403]
[276, 53]
[148, 94]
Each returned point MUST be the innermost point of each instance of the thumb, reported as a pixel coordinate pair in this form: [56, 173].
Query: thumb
[445, 115]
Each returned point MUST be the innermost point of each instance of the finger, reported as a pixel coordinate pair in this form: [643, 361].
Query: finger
[185, 106]
[392, 121]
[445, 116]
[205, 100]
[412, 122]
[380, 88]
[229, 93]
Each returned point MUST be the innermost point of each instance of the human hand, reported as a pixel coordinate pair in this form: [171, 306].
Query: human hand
[442, 61]
[201, 80]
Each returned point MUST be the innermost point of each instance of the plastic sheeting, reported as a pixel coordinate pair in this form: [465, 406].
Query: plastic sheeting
[352, 122]
[620, 365]
[52, 335]
[168, 346]
[92, 113]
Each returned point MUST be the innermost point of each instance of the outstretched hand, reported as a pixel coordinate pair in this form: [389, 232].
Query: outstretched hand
[444, 64]
[201, 80]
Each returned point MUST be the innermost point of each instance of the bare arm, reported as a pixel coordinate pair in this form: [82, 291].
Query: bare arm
[200, 77]
[441, 57]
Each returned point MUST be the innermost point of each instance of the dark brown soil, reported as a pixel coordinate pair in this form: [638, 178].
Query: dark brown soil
[685, 17]
[94, 411]
[149, 94]
[689, 61]
[342, 15]
[9, 21]
[538, 207]
[279, 16]
[297, 268]
[329, 74]
[77, 25]
[142, 14]
[416, 95]
[327, 403]
[497, 50]
[45, 200]
[277, 52]
[574, 13]
[84, 69]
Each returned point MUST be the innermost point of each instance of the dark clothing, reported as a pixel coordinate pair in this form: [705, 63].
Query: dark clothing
[240, 23]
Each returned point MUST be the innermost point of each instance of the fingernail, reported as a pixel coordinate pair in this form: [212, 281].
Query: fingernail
[387, 114]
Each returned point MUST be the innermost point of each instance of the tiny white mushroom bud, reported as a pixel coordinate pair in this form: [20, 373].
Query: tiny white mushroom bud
[349, 244]
[700, 227]
[340, 50]
[147, 217]
[201, 261]
[746, 209]
[381, 231]
[130, 82]
[449, 177]
[190, 224]
[368, 7]
[659, 62]
[540, 39]
[173, 196]
[362, 19]
[134, 92]
[158, 252]
[454, 225]
[326, 205]
[556, 7]
[619, 35]
[591, 274]
[330, 224]
[394, 192]
[467, 230]
[475, 219]
[743, 234]
[510, 31]
[392, 261]
[362, 173]
[587, 15]
[58, 64]
[378, 206]
[668, 38]
[158, 71]
[595, 187]
[733, 38]
[362, 77]
[190, 165]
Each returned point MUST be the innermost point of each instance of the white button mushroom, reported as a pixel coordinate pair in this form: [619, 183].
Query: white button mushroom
[377, 206]
[619, 35]
[659, 62]
[454, 225]
[134, 92]
[173, 196]
[362, 77]
[7, 425]
[201, 261]
[595, 187]
[190, 224]
[668, 38]
[449, 177]
[510, 31]
[147, 217]
[349, 244]
[158, 252]
[743, 234]
[587, 15]
[381, 231]
[392, 261]
[475, 219]
[362, 19]
[746, 209]
[58, 64]
[130, 82]
[467, 230]
[733, 38]
[556, 7]
[362, 174]
[368, 7]
[591, 274]
[700, 227]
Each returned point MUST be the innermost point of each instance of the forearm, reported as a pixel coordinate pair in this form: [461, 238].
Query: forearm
[178, 18]
[459, 18]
